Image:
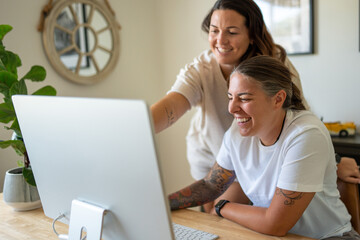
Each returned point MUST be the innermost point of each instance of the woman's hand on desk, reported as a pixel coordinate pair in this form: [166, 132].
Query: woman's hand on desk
[348, 170]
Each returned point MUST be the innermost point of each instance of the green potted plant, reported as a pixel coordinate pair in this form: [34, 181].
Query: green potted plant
[11, 84]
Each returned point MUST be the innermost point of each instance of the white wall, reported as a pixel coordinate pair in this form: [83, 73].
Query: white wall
[135, 76]
[331, 76]
[159, 37]
[181, 40]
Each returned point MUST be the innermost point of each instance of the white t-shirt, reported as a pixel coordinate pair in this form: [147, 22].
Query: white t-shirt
[302, 160]
[204, 86]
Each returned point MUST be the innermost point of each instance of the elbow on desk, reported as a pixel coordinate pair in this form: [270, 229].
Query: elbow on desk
[276, 229]
[277, 226]
[278, 233]
[258, 219]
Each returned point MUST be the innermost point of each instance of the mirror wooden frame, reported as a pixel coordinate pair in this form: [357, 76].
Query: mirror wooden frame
[54, 56]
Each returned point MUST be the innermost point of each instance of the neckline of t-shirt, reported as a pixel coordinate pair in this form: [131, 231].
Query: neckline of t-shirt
[280, 139]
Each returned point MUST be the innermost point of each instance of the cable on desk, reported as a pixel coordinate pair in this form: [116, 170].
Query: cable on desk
[61, 236]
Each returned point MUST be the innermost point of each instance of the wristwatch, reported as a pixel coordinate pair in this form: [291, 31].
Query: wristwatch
[220, 205]
[337, 158]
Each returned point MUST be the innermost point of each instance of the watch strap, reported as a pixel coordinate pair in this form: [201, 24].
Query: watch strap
[337, 158]
[219, 206]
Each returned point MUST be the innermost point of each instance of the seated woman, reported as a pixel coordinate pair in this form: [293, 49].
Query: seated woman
[282, 156]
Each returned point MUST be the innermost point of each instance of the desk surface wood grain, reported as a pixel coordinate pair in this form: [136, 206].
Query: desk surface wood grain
[34, 224]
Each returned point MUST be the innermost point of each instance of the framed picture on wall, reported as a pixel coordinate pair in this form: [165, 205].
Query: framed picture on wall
[290, 23]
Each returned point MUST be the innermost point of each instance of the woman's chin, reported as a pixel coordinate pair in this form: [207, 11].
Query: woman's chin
[245, 133]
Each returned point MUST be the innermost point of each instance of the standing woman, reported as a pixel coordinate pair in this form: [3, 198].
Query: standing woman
[236, 32]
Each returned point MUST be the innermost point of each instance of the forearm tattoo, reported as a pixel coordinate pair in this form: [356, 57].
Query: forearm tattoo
[204, 190]
[220, 178]
[290, 197]
[170, 116]
[191, 196]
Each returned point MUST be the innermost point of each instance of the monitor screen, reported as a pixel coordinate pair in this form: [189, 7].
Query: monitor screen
[100, 151]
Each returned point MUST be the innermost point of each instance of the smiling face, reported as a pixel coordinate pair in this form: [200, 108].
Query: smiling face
[256, 113]
[228, 38]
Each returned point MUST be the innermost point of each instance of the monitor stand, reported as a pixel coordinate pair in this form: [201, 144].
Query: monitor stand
[88, 217]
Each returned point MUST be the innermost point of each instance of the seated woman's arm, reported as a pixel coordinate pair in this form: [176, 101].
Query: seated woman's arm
[285, 210]
[204, 190]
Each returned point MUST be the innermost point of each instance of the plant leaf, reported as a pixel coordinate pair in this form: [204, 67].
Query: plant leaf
[4, 89]
[36, 74]
[4, 29]
[20, 163]
[29, 176]
[2, 66]
[18, 88]
[11, 62]
[7, 113]
[16, 128]
[4, 144]
[17, 145]
[7, 77]
[47, 91]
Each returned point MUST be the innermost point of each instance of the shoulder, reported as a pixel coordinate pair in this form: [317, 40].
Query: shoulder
[304, 117]
[304, 123]
[291, 67]
[287, 62]
[203, 67]
[205, 60]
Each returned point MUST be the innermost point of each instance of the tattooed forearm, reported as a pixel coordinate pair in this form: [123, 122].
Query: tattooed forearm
[290, 197]
[203, 191]
[220, 178]
[170, 116]
[194, 195]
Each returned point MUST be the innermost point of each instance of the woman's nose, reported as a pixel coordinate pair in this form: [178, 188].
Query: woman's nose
[232, 107]
[222, 38]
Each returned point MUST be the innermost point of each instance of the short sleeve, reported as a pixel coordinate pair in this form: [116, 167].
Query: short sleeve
[224, 156]
[306, 158]
[188, 83]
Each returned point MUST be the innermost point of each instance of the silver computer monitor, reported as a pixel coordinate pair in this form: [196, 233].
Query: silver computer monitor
[100, 151]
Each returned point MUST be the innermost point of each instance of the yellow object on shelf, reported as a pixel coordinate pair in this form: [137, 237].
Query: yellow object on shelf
[341, 129]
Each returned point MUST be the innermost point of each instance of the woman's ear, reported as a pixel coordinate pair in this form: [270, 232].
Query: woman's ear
[280, 98]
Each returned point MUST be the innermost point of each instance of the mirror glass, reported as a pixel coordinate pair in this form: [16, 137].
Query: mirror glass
[84, 38]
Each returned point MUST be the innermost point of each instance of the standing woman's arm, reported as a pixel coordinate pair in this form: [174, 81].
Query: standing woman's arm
[168, 110]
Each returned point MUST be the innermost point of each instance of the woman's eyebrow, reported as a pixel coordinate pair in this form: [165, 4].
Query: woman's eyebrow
[240, 94]
[229, 27]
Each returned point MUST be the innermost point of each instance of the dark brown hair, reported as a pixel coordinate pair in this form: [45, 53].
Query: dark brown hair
[272, 75]
[263, 43]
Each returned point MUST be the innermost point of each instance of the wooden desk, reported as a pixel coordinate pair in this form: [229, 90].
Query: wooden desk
[34, 224]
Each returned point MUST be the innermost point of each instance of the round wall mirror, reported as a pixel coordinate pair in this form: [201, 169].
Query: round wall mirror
[81, 40]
